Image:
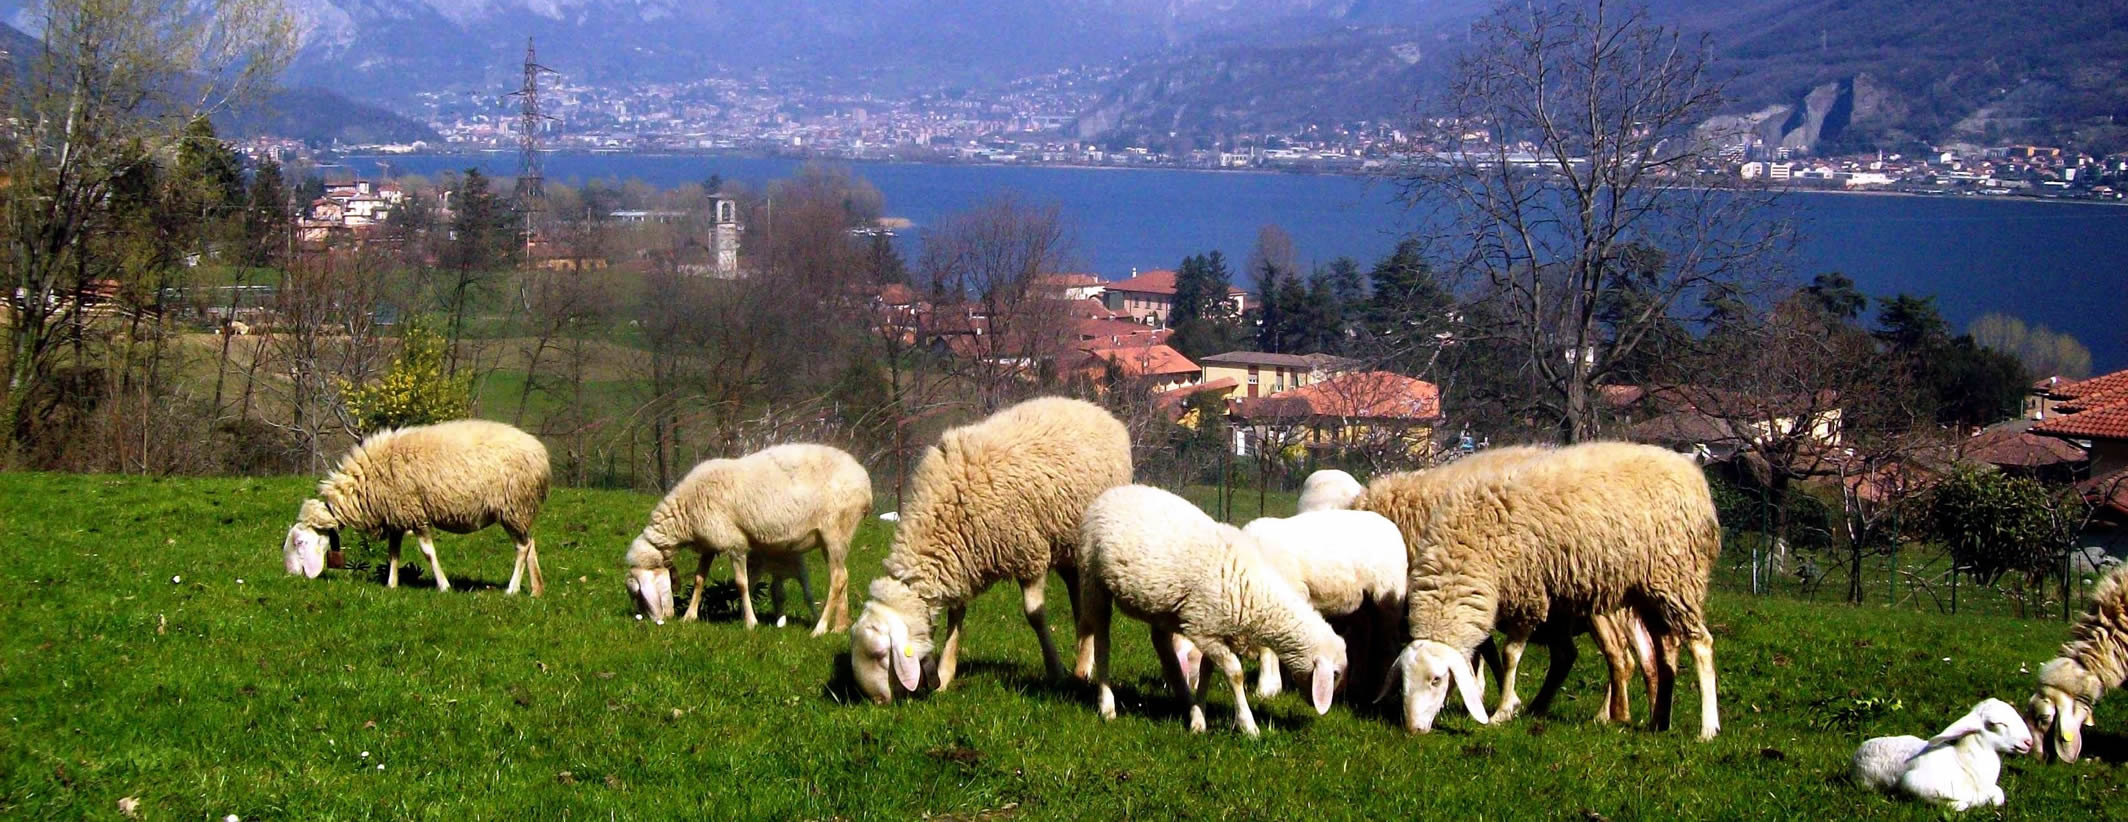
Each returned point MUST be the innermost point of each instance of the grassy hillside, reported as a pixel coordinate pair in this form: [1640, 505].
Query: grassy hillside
[151, 647]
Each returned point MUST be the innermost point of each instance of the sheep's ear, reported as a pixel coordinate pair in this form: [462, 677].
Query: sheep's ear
[907, 666]
[1400, 668]
[1467, 685]
[1971, 723]
[664, 595]
[1324, 686]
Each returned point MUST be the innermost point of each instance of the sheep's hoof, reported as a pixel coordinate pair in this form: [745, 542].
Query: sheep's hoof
[1502, 715]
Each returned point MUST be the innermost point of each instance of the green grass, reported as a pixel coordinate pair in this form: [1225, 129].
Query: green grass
[205, 696]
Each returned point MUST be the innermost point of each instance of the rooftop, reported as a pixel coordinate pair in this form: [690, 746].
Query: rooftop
[1156, 281]
[1354, 394]
[1143, 360]
[1260, 358]
[2105, 423]
[2080, 388]
[2013, 444]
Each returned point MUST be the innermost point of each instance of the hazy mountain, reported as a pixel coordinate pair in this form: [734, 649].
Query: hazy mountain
[1813, 74]
[384, 49]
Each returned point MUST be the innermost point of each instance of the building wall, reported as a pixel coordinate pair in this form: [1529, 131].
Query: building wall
[1267, 379]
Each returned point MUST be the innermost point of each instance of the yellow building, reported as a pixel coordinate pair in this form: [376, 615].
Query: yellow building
[1256, 374]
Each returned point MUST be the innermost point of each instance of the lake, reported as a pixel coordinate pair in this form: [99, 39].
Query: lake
[2064, 265]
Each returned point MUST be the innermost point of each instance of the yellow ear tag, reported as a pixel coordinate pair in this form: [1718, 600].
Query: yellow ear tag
[908, 651]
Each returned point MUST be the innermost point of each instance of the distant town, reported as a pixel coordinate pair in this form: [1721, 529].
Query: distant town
[1031, 121]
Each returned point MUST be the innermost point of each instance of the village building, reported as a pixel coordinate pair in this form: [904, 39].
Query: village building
[1257, 374]
[1150, 297]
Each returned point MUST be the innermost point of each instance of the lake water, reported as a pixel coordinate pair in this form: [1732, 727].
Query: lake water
[2064, 265]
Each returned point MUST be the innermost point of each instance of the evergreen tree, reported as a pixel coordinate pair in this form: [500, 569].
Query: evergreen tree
[266, 216]
[1349, 286]
[483, 240]
[1271, 309]
[1406, 298]
[887, 265]
[1835, 294]
[1911, 324]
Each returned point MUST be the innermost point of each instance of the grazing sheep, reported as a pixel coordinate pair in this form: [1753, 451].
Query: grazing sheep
[1163, 561]
[1329, 489]
[996, 500]
[1350, 566]
[458, 476]
[1577, 532]
[1956, 768]
[2094, 660]
[779, 503]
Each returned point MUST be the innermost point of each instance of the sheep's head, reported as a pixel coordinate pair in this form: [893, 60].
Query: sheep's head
[303, 550]
[1428, 669]
[649, 581]
[1996, 724]
[2061, 709]
[882, 642]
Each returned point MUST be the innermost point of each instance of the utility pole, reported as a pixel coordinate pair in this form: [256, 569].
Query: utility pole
[530, 197]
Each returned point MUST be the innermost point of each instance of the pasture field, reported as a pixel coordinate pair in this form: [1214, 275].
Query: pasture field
[151, 647]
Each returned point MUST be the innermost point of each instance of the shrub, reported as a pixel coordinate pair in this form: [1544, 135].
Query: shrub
[1995, 523]
[414, 390]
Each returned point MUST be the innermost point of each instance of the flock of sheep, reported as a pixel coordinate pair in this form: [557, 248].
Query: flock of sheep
[1403, 581]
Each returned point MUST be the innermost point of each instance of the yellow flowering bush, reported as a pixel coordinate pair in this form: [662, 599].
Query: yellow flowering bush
[414, 390]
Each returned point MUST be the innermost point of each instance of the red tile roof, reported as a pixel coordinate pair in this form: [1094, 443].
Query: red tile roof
[2095, 399]
[1354, 394]
[1115, 333]
[2103, 382]
[1090, 308]
[1142, 360]
[2013, 445]
[2109, 490]
[896, 294]
[1156, 281]
[2106, 423]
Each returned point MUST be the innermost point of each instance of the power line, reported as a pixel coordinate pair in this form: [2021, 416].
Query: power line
[530, 197]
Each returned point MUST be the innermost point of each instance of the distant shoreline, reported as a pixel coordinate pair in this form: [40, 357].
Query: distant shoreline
[1305, 172]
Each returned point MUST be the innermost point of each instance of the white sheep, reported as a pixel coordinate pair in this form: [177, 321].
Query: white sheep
[1957, 768]
[2093, 661]
[1329, 489]
[778, 502]
[1577, 532]
[996, 500]
[1350, 566]
[1161, 560]
[458, 476]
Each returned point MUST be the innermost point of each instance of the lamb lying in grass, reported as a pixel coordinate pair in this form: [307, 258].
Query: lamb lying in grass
[1956, 768]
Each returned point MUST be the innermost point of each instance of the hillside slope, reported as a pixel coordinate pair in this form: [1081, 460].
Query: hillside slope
[1822, 75]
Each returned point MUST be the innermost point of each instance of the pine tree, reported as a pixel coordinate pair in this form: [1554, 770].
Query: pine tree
[1271, 309]
[266, 216]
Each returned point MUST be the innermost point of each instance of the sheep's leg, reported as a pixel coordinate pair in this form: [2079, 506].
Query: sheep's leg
[1204, 683]
[949, 654]
[517, 568]
[1563, 654]
[1170, 665]
[835, 610]
[391, 573]
[1092, 618]
[805, 590]
[701, 579]
[1268, 683]
[1710, 722]
[1230, 664]
[428, 549]
[539, 580]
[746, 593]
[1082, 656]
[1658, 659]
[1619, 657]
[1511, 662]
[775, 583]
[1031, 595]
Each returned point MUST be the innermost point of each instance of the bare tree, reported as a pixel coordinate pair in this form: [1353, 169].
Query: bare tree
[111, 76]
[992, 256]
[1565, 162]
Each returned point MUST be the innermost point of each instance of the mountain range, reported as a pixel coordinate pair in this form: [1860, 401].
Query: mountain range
[1815, 74]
